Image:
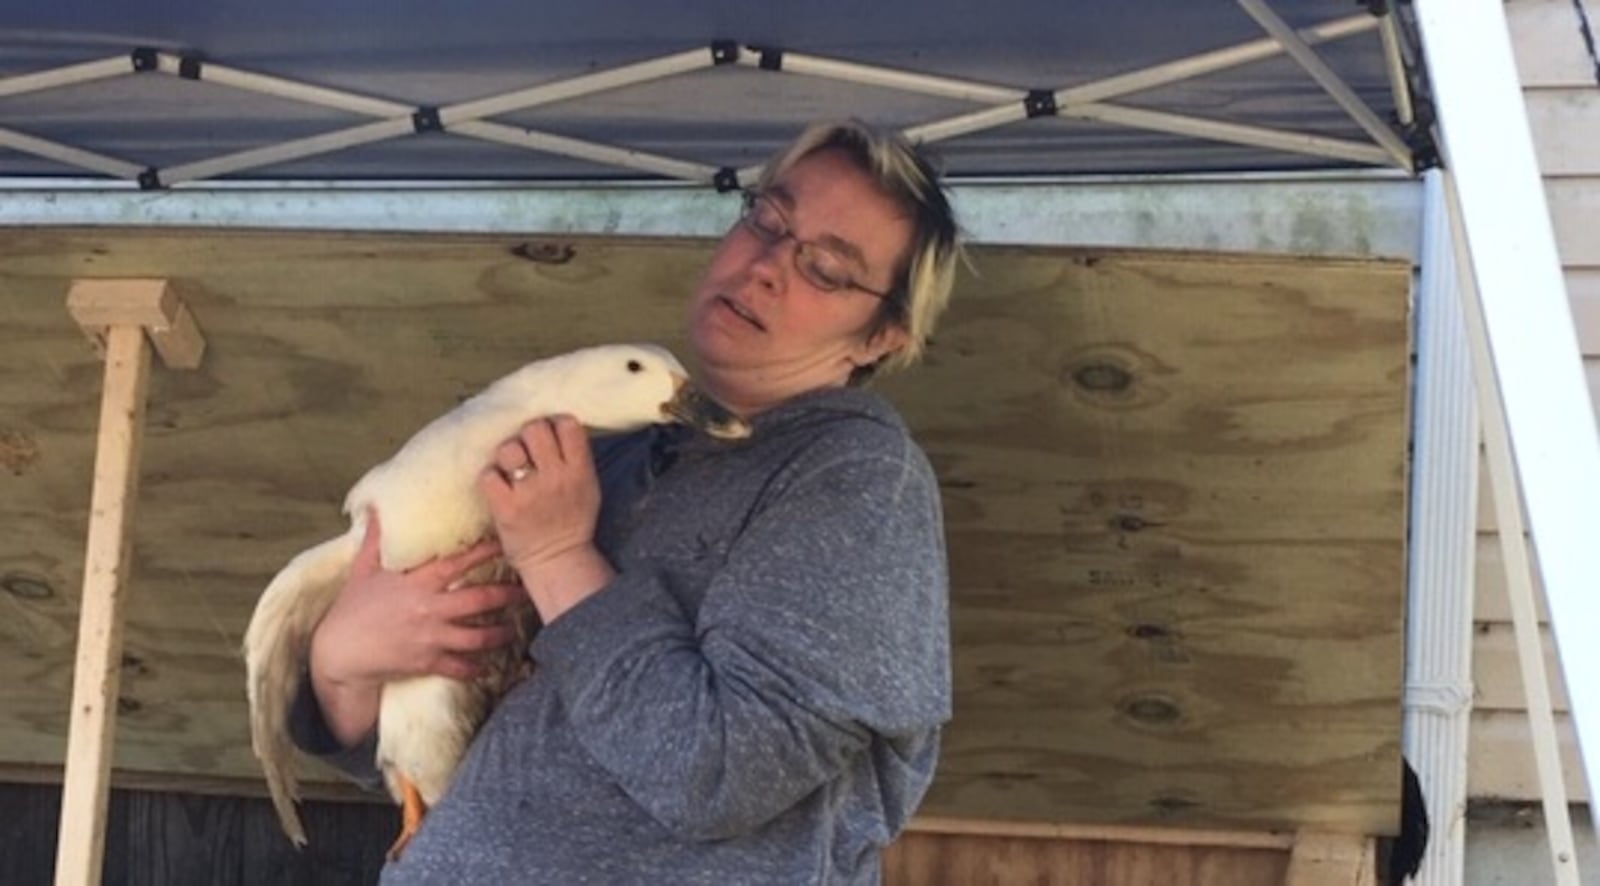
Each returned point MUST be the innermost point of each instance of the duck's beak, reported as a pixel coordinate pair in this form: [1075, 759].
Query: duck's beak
[692, 407]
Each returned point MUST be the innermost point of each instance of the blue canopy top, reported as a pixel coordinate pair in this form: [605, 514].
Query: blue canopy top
[420, 54]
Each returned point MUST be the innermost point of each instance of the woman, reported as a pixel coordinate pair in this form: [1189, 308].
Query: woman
[744, 664]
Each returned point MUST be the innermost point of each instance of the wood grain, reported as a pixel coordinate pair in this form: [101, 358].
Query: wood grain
[161, 838]
[957, 860]
[1149, 569]
[96, 673]
[1325, 859]
[1174, 489]
[152, 304]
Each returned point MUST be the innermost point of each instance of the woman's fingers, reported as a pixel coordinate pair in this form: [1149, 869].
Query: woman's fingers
[454, 567]
[538, 438]
[543, 442]
[466, 639]
[573, 439]
[511, 456]
[477, 601]
[461, 648]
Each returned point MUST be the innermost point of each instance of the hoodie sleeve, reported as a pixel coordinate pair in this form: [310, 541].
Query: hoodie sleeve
[309, 731]
[825, 631]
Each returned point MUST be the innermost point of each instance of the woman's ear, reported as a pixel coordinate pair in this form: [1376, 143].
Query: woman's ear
[886, 340]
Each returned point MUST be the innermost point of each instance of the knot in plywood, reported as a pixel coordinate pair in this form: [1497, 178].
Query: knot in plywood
[545, 252]
[18, 451]
[1152, 709]
[26, 587]
[1102, 377]
[1115, 375]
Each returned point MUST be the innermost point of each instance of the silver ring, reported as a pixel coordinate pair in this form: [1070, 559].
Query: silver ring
[517, 473]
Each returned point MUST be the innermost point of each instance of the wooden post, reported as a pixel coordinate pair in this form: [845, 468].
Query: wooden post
[117, 315]
[1324, 859]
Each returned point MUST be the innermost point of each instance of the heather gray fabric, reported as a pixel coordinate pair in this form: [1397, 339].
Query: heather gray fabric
[755, 699]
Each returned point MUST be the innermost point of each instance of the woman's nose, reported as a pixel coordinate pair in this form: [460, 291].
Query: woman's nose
[772, 261]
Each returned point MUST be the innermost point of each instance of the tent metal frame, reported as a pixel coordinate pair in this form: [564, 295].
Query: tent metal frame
[1006, 105]
[1542, 450]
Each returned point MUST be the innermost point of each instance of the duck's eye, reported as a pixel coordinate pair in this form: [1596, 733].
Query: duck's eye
[635, 366]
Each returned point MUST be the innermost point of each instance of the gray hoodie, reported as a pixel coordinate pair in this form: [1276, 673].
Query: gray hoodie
[756, 697]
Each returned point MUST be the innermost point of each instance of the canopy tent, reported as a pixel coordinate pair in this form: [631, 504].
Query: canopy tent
[1124, 89]
[195, 96]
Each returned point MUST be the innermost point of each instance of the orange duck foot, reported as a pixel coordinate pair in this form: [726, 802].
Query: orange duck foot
[412, 809]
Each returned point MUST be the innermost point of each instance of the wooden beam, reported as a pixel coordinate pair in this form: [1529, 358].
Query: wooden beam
[1324, 859]
[125, 779]
[152, 303]
[121, 312]
[1104, 833]
[95, 678]
[932, 859]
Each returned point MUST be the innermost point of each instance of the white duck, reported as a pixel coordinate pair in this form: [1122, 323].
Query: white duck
[429, 506]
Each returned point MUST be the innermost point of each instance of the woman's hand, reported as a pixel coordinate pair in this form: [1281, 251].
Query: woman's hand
[544, 498]
[387, 625]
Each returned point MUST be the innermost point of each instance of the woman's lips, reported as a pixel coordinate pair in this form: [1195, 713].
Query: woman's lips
[741, 312]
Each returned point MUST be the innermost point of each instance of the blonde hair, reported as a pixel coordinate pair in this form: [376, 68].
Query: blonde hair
[901, 171]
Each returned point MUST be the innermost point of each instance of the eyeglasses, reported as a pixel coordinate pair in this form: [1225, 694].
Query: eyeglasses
[821, 266]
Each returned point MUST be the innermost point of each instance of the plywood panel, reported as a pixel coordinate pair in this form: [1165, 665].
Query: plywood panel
[323, 358]
[1500, 758]
[1174, 489]
[1134, 517]
[1566, 129]
[960, 860]
[1497, 672]
[1548, 44]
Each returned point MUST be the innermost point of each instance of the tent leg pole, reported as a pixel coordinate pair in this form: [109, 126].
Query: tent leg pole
[1519, 570]
[96, 675]
[117, 315]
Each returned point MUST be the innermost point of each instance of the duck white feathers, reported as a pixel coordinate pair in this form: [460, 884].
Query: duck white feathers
[429, 506]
